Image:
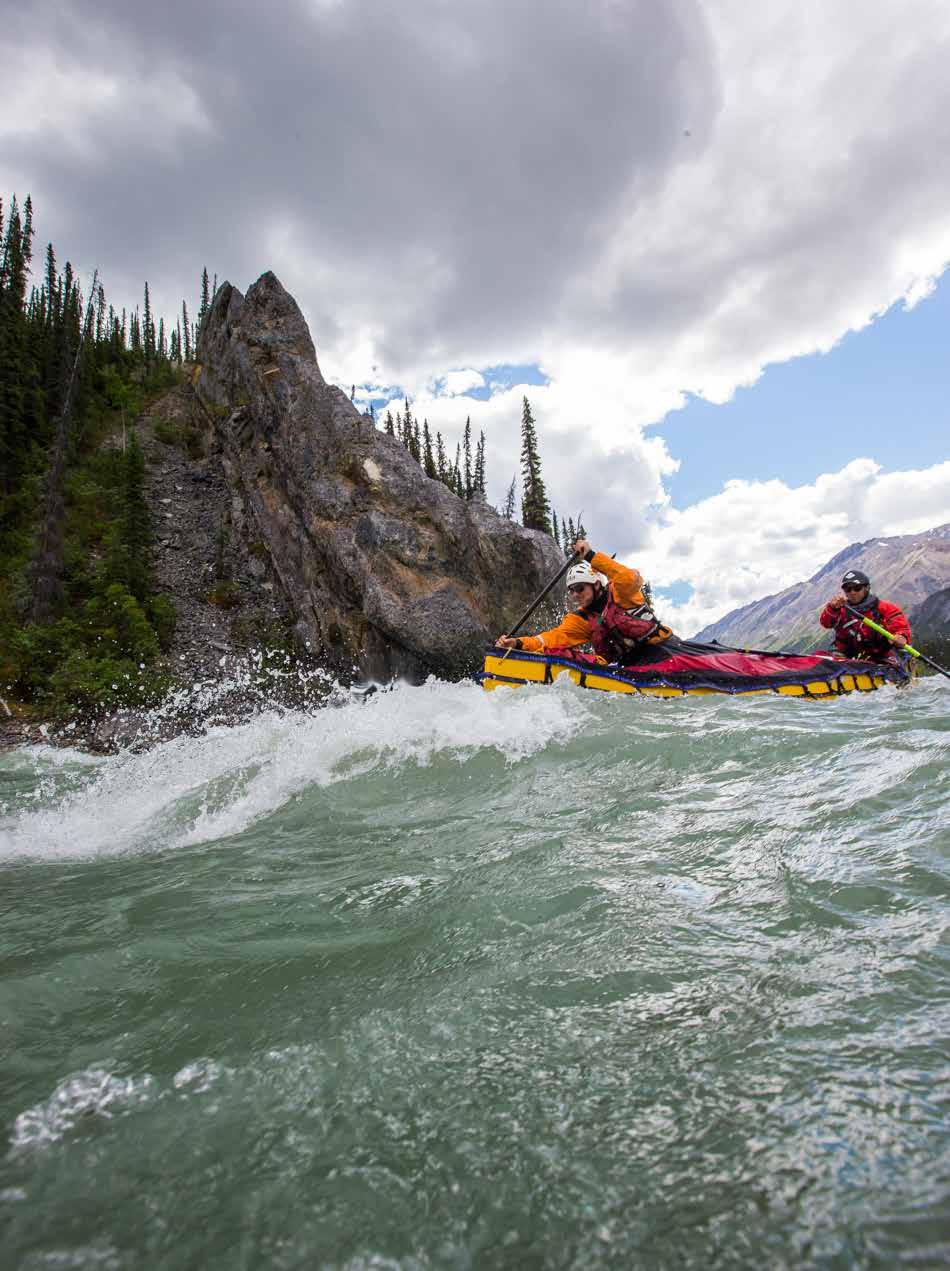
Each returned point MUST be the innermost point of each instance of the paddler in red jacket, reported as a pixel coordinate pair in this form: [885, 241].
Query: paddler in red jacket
[854, 638]
[611, 613]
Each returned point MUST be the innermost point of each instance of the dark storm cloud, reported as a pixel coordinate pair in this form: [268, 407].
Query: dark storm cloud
[437, 171]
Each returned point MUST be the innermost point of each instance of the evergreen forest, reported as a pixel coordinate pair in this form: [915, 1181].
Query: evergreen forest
[81, 625]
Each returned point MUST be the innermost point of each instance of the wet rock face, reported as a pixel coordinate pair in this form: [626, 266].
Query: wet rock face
[387, 570]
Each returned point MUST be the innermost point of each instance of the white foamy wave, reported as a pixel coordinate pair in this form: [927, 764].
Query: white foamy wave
[195, 789]
[93, 1093]
[199, 1076]
[80, 1258]
[38, 757]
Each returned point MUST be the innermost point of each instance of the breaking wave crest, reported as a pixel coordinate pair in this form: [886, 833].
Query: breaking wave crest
[191, 789]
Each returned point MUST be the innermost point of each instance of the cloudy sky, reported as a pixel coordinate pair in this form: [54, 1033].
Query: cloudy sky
[705, 237]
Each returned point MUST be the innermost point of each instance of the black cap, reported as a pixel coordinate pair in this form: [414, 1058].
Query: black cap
[855, 576]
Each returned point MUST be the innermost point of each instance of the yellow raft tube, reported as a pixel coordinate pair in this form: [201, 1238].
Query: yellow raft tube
[828, 678]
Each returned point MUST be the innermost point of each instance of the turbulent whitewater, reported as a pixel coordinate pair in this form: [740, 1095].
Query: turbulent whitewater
[443, 978]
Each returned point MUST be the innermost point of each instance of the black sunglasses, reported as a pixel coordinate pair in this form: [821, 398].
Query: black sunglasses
[576, 588]
[853, 586]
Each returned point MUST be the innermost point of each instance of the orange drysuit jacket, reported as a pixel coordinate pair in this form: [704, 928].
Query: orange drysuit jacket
[626, 590]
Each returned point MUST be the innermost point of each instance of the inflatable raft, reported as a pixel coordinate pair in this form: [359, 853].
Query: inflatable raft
[679, 668]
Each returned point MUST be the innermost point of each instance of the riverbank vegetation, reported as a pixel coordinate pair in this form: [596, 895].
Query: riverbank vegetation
[81, 624]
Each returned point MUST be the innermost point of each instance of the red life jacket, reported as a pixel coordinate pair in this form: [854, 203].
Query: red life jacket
[616, 633]
[855, 639]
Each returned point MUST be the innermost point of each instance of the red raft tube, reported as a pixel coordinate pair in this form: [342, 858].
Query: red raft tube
[679, 668]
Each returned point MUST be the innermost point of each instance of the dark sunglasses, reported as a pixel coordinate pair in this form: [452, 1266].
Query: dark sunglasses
[853, 587]
[576, 588]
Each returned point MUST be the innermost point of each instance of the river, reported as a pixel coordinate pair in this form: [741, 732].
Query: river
[441, 978]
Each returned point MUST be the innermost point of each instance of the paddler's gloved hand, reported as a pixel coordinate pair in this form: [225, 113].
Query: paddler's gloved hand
[508, 642]
[837, 601]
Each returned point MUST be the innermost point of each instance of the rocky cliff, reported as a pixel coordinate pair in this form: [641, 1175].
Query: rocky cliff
[906, 569]
[323, 519]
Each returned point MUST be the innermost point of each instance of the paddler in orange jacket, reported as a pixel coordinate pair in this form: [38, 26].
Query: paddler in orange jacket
[611, 613]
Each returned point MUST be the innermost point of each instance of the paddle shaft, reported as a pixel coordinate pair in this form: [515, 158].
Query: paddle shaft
[876, 626]
[554, 581]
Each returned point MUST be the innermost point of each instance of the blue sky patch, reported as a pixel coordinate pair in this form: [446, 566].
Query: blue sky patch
[675, 593]
[881, 393]
[498, 379]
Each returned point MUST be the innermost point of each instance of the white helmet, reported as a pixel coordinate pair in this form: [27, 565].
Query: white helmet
[583, 573]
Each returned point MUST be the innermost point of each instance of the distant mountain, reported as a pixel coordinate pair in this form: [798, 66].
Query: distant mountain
[913, 570]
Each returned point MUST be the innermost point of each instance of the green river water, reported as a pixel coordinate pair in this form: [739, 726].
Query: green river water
[443, 978]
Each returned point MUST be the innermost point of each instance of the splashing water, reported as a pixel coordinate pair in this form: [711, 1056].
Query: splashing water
[437, 977]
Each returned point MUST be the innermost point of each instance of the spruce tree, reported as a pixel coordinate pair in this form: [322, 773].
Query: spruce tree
[415, 442]
[50, 284]
[100, 315]
[554, 526]
[511, 497]
[148, 332]
[479, 478]
[467, 452]
[67, 337]
[14, 347]
[390, 426]
[205, 299]
[185, 330]
[428, 459]
[26, 242]
[535, 509]
[441, 462]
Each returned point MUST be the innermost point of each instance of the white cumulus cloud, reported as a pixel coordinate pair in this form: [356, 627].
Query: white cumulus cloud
[454, 383]
[757, 537]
